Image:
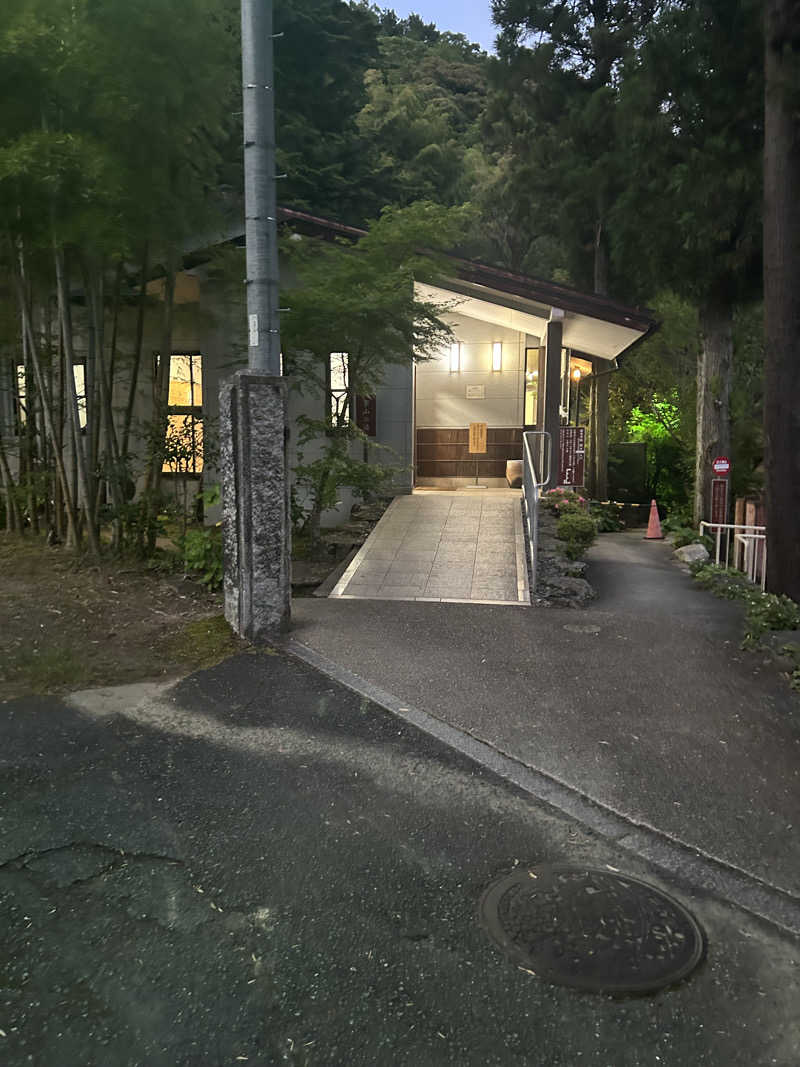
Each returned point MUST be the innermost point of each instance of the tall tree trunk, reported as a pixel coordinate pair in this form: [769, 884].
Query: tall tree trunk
[109, 447]
[13, 517]
[137, 355]
[782, 296]
[713, 398]
[160, 415]
[41, 385]
[65, 319]
[600, 259]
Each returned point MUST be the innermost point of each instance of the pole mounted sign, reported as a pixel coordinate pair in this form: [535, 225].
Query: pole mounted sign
[571, 455]
[721, 466]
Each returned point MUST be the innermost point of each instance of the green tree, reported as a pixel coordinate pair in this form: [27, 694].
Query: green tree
[425, 98]
[552, 117]
[781, 297]
[690, 136]
[320, 63]
[109, 143]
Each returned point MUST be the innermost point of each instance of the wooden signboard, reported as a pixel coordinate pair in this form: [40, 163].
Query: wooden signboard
[477, 436]
[366, 415]
[571, 455]
[719, 502]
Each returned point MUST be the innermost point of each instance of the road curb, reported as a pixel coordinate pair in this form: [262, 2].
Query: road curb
[698, 869]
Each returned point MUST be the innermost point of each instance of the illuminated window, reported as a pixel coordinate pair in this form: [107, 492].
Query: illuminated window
[455, 357]
[184, 444]
[338, 388]
[497, 356]
[531, 386]
[21, 396]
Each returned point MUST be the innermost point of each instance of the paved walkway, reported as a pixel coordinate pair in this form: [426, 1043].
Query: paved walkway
[262, 867]
[436, 546]
[642, 701]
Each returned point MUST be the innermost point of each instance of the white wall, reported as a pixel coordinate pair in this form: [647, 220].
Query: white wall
[441, 400]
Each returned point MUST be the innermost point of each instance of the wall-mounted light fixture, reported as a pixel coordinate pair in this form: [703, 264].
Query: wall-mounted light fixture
[497, 355]
[576, 374]
[455, 356]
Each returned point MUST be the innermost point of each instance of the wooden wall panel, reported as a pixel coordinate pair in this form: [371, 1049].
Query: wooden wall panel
[445, 453]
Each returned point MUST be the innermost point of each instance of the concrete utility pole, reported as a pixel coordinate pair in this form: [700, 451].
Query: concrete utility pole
[261, 231]
[255, 487]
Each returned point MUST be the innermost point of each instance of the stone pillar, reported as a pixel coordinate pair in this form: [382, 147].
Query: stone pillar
[255, 499]
[552, 388]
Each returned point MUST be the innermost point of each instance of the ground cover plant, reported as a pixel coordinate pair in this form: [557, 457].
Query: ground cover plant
[764, 612]
[66, 623]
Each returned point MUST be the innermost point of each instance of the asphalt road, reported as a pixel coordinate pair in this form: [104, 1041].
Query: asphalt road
[643, 701]
[260, 867]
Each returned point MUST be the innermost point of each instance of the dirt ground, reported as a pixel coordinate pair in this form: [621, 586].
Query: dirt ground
[65, 624]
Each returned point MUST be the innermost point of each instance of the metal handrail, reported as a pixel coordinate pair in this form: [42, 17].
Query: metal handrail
[546, 440]
[530, 493]
[755, 555]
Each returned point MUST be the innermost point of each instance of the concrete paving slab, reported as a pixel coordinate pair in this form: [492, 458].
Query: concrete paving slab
[440, 538]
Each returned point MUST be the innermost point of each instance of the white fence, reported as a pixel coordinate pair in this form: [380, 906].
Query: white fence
[741, 546]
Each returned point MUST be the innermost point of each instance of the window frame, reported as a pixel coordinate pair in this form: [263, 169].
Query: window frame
[191, 411]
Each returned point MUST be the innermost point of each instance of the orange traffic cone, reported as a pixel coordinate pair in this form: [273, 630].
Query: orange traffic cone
[654, 525]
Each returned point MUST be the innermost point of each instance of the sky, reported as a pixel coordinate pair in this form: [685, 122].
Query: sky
[473, 18]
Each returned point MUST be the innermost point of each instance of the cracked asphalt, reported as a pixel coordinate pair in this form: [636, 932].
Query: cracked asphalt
[259, 866]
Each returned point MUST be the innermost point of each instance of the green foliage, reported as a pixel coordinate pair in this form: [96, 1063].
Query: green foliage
[763, 611]
[317, 482]
[360, 298]
[607, 517]
[579, 530]
[202, 554]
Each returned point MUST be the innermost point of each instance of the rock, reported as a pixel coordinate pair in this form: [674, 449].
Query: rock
[692, 554]
[577, 590]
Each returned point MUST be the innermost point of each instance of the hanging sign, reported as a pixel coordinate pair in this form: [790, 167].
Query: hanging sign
[571, 455]
[477, 436]
[721, 465]
[366, 415]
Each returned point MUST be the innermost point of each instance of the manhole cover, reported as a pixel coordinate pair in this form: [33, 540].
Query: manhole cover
[592, 929]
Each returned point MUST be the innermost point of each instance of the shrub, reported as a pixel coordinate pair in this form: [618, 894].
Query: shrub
[578, 530]
[766, 611]
[607, 516]
[202, 554]
[763, 612]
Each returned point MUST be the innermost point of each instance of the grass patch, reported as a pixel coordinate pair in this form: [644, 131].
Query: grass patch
[47, 669]
[204, 642]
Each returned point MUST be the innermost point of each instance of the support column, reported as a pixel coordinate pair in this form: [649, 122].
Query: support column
[600, 451]
[256, 531]
[552, 387]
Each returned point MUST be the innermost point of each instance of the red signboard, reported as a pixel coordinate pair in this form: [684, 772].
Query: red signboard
[721, 465]
[571, 455]
[719, 501]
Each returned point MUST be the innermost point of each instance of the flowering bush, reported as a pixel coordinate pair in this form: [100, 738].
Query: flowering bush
[564, 501]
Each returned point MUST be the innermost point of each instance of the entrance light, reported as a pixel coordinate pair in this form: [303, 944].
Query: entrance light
[576, 374]
[497, 355]
[455, 356]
